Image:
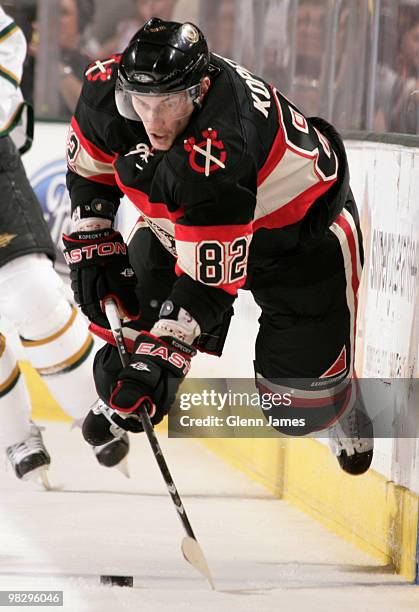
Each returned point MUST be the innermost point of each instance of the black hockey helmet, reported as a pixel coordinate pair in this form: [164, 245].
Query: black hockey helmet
[162, 58]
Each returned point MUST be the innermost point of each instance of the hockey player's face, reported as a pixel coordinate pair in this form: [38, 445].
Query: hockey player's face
[164, 117]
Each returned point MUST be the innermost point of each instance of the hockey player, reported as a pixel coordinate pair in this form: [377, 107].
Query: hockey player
[32, 295]
[237, 189]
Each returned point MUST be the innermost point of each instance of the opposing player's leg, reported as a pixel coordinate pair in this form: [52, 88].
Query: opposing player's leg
[306, 343]
[53, 333]
[19, 436]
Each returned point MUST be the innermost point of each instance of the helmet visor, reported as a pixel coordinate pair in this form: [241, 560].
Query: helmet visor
[148, 107]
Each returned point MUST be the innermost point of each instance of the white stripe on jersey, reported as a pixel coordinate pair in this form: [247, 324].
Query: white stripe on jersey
[351, 222]
[292, 176]
[351, 274]
[87, 166]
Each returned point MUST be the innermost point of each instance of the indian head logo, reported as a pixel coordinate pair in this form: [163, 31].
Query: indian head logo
[208, 155]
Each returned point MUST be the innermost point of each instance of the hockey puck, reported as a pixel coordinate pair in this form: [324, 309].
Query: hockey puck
[122, 581]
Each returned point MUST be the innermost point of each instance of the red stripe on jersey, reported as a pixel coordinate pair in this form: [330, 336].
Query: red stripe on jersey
[293, 211]
[107, 179]
[153, 210]
[88, 146]
[276, 153]
[349, 233]
[226, 233]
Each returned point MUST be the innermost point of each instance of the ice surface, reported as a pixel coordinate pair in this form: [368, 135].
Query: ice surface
[264, 554]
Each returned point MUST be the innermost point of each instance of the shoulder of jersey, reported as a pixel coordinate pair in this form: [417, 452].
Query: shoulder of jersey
[99, 81]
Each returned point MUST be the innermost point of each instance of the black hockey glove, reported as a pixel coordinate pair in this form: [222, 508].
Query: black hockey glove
[156, 369]
[100, 269]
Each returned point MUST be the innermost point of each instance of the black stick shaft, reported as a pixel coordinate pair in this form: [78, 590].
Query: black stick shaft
[165, 472]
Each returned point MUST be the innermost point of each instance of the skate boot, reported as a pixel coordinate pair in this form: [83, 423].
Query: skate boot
[29, 458]
[351, 441]
[113, 452]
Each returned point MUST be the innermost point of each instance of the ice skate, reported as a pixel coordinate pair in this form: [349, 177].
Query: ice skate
[114, 454]
[351, 441]
[29, 458]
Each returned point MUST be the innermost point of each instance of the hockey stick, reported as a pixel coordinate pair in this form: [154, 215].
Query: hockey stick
[191, 549]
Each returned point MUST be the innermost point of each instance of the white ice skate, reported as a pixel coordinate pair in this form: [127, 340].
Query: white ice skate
[29, 458]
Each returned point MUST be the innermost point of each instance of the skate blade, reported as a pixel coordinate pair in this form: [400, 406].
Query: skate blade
[123, 467]
[39, 476]
[193, 554]
[76, 424]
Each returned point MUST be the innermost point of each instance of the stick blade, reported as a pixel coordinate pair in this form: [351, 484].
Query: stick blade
[193, 554]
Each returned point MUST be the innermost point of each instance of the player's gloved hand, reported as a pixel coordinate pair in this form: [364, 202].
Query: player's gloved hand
[156, 369]
[100, 269]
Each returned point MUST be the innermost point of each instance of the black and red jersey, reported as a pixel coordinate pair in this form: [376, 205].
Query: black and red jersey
[250, 178]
